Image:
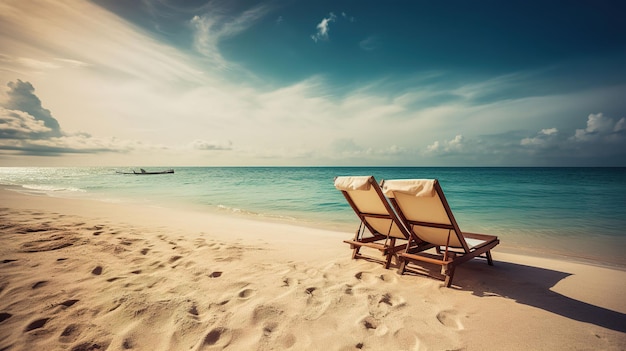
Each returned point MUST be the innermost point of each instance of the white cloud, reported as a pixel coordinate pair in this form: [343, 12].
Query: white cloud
[211, 28]
[19, 125]
[549, 131]
[599, 128]
[211, 145]
[323, 28]
[455, 145]
[602, 139]
[542, 138]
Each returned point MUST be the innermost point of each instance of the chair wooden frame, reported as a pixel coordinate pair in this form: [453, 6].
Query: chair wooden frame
[447, 255]
[381, 230]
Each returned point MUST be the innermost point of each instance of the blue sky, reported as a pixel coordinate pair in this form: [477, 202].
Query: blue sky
[406, 83]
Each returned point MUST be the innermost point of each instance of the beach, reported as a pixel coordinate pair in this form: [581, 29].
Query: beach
[80, 274]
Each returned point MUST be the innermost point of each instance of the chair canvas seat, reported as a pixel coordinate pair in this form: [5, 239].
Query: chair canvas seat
[424, 210]
[380, 227]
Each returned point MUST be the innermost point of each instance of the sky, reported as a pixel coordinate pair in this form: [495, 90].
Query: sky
[312, 83]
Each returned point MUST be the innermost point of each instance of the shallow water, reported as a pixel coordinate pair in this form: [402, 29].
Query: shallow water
[574, 212]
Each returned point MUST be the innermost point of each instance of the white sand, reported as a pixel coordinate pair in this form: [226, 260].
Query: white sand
[87, 275]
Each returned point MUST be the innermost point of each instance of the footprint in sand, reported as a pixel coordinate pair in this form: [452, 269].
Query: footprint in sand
[193, 310]
[175, 258]
[316, 304]
[4, 316]
[70, 333]
[69, 303]
[391, 300]
[215, 274]
[246, 293]
[370, 323]
[217, 337]
[365, 277]
[288, 282]
[267, 316]
[288, 341]
[39, 323]
[381, 305]
[39, 284]
[388, 278]
[450, 318]
[128, 344]
[95, 345]
[374, 325]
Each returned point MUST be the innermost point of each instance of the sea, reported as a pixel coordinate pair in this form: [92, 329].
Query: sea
[565, 213]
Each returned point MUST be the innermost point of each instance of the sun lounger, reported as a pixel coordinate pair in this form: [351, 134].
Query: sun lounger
[422, 206]
[380, 227]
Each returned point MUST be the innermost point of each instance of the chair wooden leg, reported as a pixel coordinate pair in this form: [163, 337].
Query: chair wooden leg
[402, 266]
[388, 261]
[489, 259]
[449, 275]
[355, 252]
[390, 253]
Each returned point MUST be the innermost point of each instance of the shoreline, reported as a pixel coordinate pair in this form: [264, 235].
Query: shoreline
[78, 273]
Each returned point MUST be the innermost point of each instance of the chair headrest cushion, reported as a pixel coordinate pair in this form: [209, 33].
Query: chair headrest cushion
[416, 187]
[353, 183]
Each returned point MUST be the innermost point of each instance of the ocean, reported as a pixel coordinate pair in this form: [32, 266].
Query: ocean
[574, 213]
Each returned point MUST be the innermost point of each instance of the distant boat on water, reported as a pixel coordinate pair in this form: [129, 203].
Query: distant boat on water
[144, 172]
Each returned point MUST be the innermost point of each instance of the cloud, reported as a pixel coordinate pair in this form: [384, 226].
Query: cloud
[48, 35]
[323, 28]
[349, 18]
[28, 128]
[345, 147]
[456, 145]
[369, 43]
[603, 142]
[211, 145]
[211, 28]
[544, 137]
[69, 144]
[21, 97]
[600, 128]
[20, 125]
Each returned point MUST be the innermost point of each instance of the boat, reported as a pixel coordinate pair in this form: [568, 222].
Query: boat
[144, 172]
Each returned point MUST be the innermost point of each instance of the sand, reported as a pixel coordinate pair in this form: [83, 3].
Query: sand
[88, 275]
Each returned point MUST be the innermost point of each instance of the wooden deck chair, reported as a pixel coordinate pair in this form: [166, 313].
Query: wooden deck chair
[423, 208]
[380, 226]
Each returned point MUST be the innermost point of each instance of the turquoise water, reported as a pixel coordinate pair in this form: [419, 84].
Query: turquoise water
[574, 212]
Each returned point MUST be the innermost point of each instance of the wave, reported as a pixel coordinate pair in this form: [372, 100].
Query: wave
[239, 211]
[53, 188]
